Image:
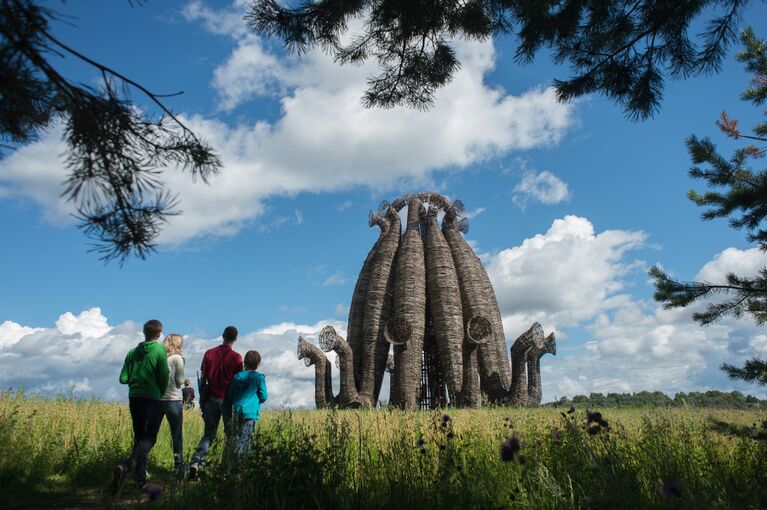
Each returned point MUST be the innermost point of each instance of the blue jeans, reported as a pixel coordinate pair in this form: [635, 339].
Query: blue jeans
[146, 417]
[174, 412]
[211, 416]
[244, 429]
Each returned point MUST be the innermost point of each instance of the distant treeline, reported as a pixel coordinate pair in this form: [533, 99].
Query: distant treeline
[719, 399]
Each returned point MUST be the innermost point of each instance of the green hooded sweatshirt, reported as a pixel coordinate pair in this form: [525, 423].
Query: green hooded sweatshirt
[145, 370]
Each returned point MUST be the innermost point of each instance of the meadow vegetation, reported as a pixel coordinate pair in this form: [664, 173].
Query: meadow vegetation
[58, 452]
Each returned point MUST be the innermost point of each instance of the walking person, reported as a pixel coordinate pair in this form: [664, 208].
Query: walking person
[246, 393]
[219, 365]
[171, 402]
[187, 393]
[145, 371]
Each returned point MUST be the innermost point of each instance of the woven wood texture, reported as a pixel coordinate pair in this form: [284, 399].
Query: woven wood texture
[405, 327]
[323, 376]
[444, 298]
[519, 350]
[494, 367]
[534, 388]
[357, 307]
[375, 348]
[330, 340]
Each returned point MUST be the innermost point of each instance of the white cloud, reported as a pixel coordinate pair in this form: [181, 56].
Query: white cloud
[81, 357]
[732, 260]
[562, 277]
[337, 278]
[226, 22]
[543, 187]
[571, 277]
[324, 139]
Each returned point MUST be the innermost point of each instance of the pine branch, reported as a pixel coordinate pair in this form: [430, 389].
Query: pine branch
[754, 370]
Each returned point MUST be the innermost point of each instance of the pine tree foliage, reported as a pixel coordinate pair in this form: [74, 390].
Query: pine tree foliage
[619, 48]
[738, 192]
[735, 191]
[755, 370]
[115, 151]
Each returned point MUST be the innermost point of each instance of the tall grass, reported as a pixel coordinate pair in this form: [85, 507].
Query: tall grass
[392, 459]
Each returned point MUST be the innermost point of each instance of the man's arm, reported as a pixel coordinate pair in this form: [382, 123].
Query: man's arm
[124, 373]
[161, 370]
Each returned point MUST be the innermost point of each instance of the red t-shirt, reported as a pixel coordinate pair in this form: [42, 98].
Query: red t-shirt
[219, 366]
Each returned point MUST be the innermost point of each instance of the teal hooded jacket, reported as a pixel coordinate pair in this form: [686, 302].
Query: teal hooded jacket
[246, 393]
[145, 370]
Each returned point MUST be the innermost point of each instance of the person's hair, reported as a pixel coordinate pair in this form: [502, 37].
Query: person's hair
[186, 382]
[173, 343]
[152, 329]
[230, 334]
[252, 360]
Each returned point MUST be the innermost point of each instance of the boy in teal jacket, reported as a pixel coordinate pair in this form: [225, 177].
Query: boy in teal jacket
[145, 371]
[246, 393]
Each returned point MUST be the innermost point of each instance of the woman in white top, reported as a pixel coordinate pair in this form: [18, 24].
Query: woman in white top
[171, 402]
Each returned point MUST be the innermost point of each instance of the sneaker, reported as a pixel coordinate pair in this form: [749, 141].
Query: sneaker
[193, 470]
[118, 479]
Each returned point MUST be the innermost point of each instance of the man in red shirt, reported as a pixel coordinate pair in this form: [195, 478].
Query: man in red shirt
[218, 367]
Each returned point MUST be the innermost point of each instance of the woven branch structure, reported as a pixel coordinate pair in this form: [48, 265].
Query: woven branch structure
[534, 390]
[424, 311]
[323, 380]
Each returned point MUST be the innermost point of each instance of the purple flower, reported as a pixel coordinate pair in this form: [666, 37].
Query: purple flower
[671, 490]
[445, 418]
[510, 447]
[154, 492]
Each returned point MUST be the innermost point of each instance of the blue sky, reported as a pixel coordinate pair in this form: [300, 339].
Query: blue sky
[572, 203]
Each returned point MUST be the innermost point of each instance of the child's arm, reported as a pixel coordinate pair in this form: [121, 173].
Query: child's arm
[261, 390]
[124, 375]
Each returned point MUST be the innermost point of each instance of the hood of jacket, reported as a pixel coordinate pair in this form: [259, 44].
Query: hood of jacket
[242, 380]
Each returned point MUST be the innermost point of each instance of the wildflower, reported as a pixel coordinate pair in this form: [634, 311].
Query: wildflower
[445, 418]
[509, 448]
[670, 490]
[154, 492]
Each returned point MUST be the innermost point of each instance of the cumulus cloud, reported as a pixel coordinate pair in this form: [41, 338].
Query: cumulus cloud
[324, 139]
[562, 277]
[543, 187]
[83, 355]
[575, 281]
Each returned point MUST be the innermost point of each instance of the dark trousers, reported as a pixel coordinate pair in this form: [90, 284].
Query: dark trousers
[174, 412]
[212, 413]
[147, 417]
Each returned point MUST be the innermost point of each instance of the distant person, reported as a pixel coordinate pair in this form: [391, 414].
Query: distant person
[218, 367]
[247, 392]
[145, 371]
[187, 392]
[171, 402]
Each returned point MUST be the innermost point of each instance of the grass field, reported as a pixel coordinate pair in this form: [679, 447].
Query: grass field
[59, 453]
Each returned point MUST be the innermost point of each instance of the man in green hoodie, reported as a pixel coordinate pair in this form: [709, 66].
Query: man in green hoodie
[145, 371]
